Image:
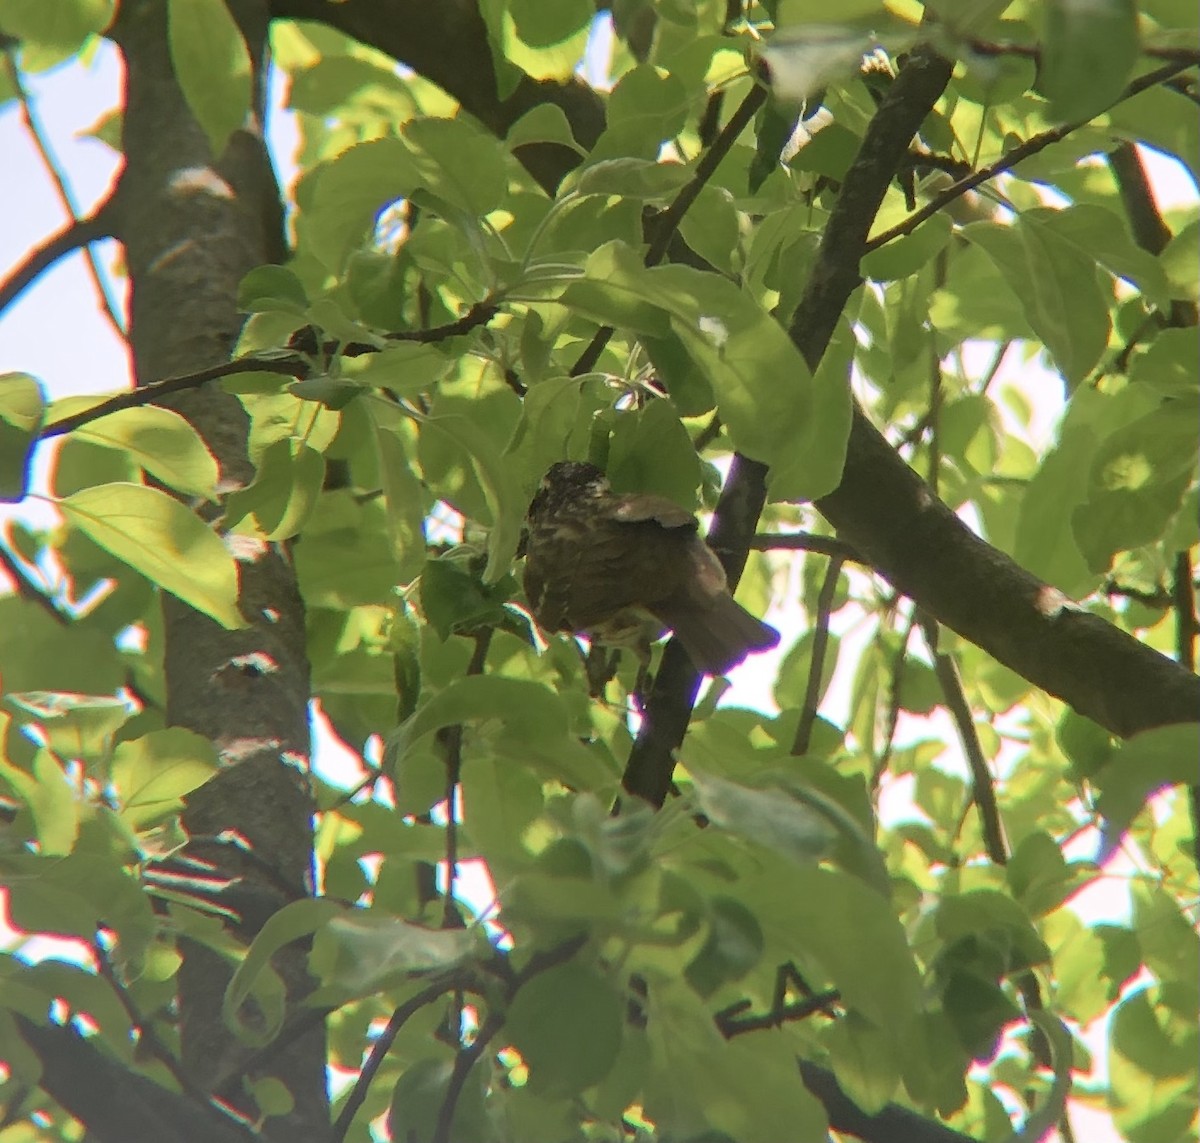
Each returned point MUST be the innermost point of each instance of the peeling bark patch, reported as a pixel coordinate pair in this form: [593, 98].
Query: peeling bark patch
[1050, 601]
[190, 181]
[255, 665]
[245, 549]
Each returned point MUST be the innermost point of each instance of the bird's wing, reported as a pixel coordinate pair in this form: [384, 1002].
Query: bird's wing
[638, 506]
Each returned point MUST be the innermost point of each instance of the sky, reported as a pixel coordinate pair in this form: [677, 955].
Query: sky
[58, 332]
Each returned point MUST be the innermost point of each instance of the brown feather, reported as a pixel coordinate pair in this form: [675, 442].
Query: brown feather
[594, 559]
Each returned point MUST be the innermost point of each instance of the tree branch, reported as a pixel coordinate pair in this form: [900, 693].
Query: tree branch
[834, 277]
[983, 792]
[804, 542]
[816, 666]
[66, 241]
[58, 177]
[406, 31]
[668, 222]
[1030, 147]
[379, 1051]
[893, 1124]
[296, 365]
[117, 1104]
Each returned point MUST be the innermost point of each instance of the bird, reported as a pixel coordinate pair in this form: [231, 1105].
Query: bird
[623, 568]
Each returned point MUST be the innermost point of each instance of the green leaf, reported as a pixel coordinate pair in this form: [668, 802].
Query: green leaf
[455, 601]
[771, 816]
[1088, 51]
[1056, 284]
[648, 105]
[651, 451]
[1152, 1065]
[22, 413]
[268, 288]
[1137, 480]
[284, 492]
[350, 191]
[157, 536]
[72, 725]
[357, 952]
[212, 64]
[504, 499]
[907, 254]
[151, 774]
[50, 799]
[163, 443]
[1100, 234]
[418, 1097]
[543, 123]
[733, 947]
[645, 179]
[865, 1061]
[531, 727]
[566, 1023]
[255, 976]
[696, 1083]
[405, 497]
[529, 710]
[62, 27]
[1006, 936]
[1168, 365]
[458, 162]
[768, 401]
[1141, 765]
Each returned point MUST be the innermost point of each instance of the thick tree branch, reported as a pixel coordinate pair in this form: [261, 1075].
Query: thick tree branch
[119, 1105]
[894, 1124]
[834, 277]
[450, 47]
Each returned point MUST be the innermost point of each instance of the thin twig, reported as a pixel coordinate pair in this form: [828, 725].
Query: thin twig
[148, 1038]
[58, 176]
[463, 1063]
[288, 365]
[1186, 57]
[892, 721]
[983, 793]
[73, 236]
[1160, 597]
[1030, 147]
[452, 742]
[146, 394]
[1187, 627]
[805, 542]
[730, 1024]
[816, 667]
[379, 1051]
[466, 1058]
[668, 222]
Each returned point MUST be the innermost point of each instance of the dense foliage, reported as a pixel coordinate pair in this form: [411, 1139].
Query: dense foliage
[771, 268]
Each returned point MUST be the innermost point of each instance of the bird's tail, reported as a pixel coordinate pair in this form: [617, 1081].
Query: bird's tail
[718, 635]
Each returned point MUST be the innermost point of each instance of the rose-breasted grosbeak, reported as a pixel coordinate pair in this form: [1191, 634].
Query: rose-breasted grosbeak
[623, 568]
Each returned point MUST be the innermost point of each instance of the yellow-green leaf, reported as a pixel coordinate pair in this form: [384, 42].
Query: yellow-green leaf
[157, 536]
[163, 443]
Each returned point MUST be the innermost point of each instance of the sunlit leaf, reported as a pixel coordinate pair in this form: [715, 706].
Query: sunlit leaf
[156, 535]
